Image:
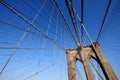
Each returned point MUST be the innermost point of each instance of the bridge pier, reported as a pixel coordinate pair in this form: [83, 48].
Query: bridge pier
[71, 59]
[105, 66]
[83, 54]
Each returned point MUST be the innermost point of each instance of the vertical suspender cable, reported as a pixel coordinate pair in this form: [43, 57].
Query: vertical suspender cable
[32, 25]
[19, 42]
[89, 38]
[65, 21]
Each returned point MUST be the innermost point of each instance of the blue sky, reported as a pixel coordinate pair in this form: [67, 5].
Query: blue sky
[25, 62]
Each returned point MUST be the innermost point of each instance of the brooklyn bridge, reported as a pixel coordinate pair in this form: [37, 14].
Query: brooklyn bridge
[59, 39]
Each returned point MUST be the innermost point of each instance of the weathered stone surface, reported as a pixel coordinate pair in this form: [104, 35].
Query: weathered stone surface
[84, 54]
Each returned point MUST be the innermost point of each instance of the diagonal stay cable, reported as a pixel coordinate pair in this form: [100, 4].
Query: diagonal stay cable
[44, 40]
[36, 22]
[32, 25]
[51, 65]
[19, 28]
[96, 70]
[106, 13]
[14, 50]
[89, 38]
[65, 21]
[21, 39]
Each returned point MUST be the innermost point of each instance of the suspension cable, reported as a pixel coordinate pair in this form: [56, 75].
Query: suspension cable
[14, 50]
[44, 40]
[106, 13]
[51, 65]
[21, 39]
[72, 16]
[32, 25]
[96, 70]
[82, 17]
[65, 21]
[89, 38]
[27, 48]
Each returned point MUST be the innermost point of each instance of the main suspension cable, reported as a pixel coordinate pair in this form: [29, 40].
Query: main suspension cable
[72, 16]
[65, 21]
[106, 13]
